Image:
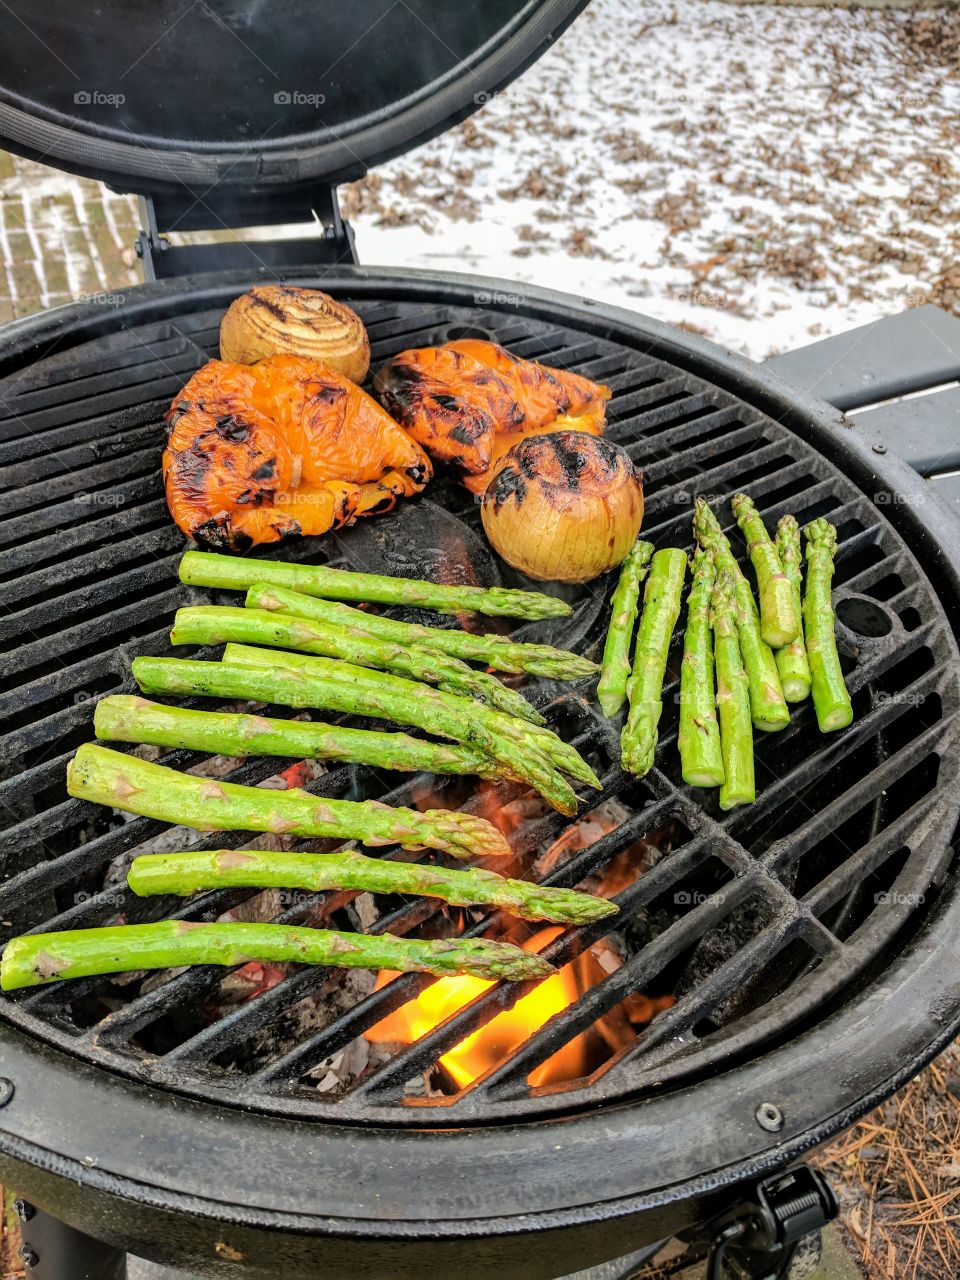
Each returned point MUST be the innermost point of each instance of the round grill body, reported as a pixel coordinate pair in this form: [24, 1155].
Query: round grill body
[809, 941]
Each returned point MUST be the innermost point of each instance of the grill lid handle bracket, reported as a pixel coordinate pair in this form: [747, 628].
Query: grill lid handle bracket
[223, 211]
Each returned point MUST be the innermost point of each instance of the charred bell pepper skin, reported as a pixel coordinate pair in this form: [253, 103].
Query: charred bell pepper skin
[779, 612]
[661, 609]
[128, 718]
[215, 624]
[792, 662]
[38, 958]
[499, 652]
[624, 606]
[768, 706]
[699, 737]
[206, 804]
[831, 701]
[207, 569]
[190, 872]
[733, 698]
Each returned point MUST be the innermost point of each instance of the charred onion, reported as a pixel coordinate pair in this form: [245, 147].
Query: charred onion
[275, 319]
[564, 507]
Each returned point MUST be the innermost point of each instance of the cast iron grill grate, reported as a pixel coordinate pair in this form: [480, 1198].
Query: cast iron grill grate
[755, 921]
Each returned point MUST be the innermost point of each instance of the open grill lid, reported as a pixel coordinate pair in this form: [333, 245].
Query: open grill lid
[254, 99]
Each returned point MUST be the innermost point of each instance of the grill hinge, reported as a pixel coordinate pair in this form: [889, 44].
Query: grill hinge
[329, 241]
[761, 1237]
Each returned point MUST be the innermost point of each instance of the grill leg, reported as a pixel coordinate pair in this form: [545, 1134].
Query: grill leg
[53, 1251]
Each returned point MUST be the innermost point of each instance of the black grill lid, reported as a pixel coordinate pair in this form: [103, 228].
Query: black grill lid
[248, 95]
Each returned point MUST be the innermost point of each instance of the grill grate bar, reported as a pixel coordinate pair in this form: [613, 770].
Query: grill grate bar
[671, 1032]
[654, 405]
[635, 974]
[50, 431]
[118, 621]
[96, 596]
[37, 512]
[74, 464]
[136, 522]
[854, 870]
[72, 380]
[37, 409]
[856, 798]
[243, 1022]
[375, 1007]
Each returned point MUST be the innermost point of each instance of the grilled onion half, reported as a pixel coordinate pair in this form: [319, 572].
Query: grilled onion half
[276, 319]
[564, 507]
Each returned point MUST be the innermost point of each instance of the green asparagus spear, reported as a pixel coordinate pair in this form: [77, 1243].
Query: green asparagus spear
[137, 786]
[699, 737]
[410, 703]
[733, 698]
[499, 652]
[831, 701]
[206, 569]
[37, 958]
[537, 740]
[186, 873]
[615, 668]
[210, 624]
[779, 613]
[661, 608]
[792, 658]
[127, 718]
[768, 706]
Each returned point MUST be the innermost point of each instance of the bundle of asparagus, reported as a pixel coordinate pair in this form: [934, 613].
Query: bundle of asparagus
[523, 751]
[209, 624]
[494, 732]
[716, 727]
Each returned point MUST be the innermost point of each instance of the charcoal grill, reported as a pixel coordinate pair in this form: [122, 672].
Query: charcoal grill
[809, 939]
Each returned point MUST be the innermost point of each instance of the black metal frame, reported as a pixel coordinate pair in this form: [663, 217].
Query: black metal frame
[331, 243]
[624, 1175]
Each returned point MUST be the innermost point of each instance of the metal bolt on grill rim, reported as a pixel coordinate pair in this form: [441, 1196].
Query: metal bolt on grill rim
[869, 814]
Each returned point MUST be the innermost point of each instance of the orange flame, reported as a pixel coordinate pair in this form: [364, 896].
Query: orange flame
[502, 1034]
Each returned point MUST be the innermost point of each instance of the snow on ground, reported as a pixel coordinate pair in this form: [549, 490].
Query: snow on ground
[763, 175]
